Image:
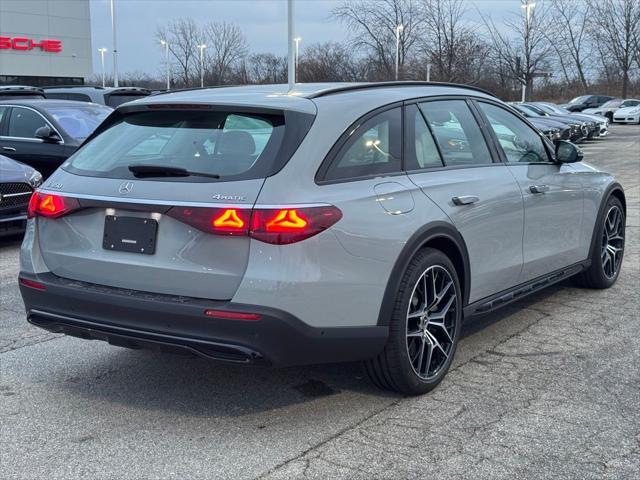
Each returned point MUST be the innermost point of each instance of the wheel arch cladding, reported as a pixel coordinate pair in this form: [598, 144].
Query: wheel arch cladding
[440, 236]
[613, 190]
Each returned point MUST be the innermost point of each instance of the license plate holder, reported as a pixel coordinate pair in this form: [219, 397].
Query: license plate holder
[130, 234]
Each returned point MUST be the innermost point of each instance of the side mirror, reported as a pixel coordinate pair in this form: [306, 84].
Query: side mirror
[47, 134]
[567, 152]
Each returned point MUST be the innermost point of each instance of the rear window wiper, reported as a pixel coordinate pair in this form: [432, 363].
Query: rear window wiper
[166, 171]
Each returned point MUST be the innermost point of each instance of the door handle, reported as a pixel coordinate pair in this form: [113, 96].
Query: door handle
[8, 149]
[465, 200]
[539, 188]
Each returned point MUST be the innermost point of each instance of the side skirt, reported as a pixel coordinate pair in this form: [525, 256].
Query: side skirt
[500, 299]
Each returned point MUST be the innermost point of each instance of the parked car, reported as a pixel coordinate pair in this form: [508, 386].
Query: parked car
[583, 102]
[343, 222]
[627, 115]
[109, 96]
[554, 130]
[589, 128]
[597, 123]
[609, 108]
[20, 91]
[577, 129]
[43, 133]
[17, 182]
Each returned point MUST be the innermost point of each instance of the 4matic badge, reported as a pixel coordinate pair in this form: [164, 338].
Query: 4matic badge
[235, 198]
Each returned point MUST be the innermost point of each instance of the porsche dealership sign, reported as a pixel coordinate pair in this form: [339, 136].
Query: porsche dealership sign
[27, 44]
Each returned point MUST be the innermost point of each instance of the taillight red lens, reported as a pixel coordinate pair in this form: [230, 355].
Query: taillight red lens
[249, 317]
[50, 205]
[290, 225]
[32, 284]
[279, 226]
[220, 221]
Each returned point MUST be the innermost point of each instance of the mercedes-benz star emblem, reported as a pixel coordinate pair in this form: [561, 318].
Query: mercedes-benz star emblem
[125, 188]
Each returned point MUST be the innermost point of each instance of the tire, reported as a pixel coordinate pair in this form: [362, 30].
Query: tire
[395, 368]
[608, 251]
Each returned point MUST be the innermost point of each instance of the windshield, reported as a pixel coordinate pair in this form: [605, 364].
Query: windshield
[79, 121]
[215, 143]
[612, 103]
[630, 103]
[527, 111]
[580, 99]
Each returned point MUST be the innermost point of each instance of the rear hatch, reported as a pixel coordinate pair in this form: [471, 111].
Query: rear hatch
[157, 200]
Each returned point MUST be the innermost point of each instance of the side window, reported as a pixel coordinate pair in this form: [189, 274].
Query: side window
[374, 148]
[2, 110]
[24, 122]
[457, 133]
[420, 148]
[520, 143]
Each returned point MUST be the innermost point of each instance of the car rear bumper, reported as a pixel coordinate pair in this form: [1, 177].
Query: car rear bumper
[162, 322]
[12, 224]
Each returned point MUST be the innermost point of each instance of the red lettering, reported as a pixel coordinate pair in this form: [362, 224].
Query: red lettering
[26, 44]
[21, 43]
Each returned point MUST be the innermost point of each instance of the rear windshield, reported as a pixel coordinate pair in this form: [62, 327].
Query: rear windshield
[115, 99]
[231, 145]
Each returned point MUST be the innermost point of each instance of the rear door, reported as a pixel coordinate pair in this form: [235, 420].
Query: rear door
[448, 158]
[178, 235]
[552, 192]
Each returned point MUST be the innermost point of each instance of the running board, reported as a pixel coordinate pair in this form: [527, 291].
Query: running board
[501, 299]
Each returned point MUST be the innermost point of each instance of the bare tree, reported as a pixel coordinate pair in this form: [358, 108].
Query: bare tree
[522, 48]
[616, 24]
[182, 36]
[266, 68]
[327, 62]
[373, 26]
[226, 48]
[568, 36]
[451, 45]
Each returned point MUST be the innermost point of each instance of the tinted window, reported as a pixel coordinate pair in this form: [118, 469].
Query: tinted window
[79, 121]
[24, 122]
[519, 142]
[373, 149]
[78, 97]
[2, 110]
[457, 132]
[421, 150]
[629, 103]
[226, 144]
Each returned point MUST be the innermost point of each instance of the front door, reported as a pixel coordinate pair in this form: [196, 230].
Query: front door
[552, 192]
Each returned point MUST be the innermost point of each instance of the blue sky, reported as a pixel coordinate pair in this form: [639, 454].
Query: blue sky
[263, 22]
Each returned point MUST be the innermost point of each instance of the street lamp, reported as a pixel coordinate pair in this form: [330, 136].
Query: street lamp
[297, 42]
[201, 47]
[115, 47]
[165, 44]
[399, 28]
[528, 8]
[102, 52]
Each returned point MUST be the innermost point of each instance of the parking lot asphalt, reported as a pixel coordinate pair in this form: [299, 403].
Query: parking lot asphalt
[549, 387]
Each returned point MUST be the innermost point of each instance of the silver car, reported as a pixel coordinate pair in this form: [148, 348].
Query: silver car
[336, 222]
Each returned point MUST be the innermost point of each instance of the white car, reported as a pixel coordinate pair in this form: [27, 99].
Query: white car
[609, 108]
[627, 115]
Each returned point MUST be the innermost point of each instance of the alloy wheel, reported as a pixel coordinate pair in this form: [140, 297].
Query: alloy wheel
[431, 322]
[612, 242]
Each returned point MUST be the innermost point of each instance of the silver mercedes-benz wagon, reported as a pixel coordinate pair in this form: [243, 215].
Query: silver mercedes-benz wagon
[334, 222]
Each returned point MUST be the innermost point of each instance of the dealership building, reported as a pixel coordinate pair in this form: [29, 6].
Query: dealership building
[45, 42]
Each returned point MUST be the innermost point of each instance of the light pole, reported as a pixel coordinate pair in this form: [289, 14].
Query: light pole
[528, 7]
[291, 31]
[102, 52]
[201, 47]
[428, 72]
[115, 47]
[165, 44]
[297, 41]
[399, 28]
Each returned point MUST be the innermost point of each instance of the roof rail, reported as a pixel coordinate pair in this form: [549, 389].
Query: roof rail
[20, 90]
[190, 89]
[363, 86]
[73, 86]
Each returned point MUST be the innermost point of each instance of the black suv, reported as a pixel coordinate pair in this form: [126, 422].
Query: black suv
[109, 96]
[583, 102]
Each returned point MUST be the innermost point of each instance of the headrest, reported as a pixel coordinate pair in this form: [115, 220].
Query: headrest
[236, 142]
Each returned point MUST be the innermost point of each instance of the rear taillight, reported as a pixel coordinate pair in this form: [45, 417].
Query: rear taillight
[277, 226]
[281, 226]
[32, 284]
[50, 205]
